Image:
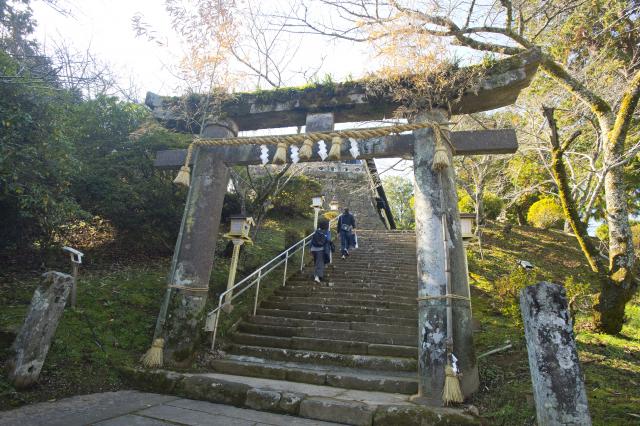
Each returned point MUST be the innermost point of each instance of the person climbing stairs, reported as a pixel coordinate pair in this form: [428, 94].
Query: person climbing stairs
[357, 330]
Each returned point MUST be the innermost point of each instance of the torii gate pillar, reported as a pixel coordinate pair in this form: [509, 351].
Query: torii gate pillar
[180, 321]
[432, 318]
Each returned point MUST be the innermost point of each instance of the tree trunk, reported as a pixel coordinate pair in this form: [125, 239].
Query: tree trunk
[621, 285]
[564, 193]
[479, 206]
[617, 288]
[610, 305]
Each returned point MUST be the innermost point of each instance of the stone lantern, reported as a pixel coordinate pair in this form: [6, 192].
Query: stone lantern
[334, 205]
[466, 224]
[240, 227]
[317, 204]
[238, 234]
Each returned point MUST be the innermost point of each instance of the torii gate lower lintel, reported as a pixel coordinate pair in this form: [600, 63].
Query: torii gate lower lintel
[192, 262]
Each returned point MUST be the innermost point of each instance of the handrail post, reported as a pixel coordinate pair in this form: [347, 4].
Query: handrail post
[255, 303]
[215, 324]
[286, 263]
[290, 252]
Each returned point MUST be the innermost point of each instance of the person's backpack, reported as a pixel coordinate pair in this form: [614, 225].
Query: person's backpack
[319, 239]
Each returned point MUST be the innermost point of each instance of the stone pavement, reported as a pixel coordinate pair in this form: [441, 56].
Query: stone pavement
[131, 408]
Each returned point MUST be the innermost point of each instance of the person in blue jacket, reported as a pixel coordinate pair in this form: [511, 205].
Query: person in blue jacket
[320, 249]
[346, 226]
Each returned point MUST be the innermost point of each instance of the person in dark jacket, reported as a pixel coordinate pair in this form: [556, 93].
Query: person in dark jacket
[346, 227]
[320, 249]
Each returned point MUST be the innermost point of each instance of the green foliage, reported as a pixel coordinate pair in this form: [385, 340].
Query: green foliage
[37, 160]
[117, 179]
[399, 191]
[602, 232]
[330, 214]
[545, 213]
[492, 205]
[507, 289]
[295, 197]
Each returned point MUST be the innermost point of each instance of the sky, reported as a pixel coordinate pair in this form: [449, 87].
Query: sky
[105, 28]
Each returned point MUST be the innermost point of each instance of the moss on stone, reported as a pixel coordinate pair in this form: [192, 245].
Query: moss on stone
[391, 415]
[164, 382]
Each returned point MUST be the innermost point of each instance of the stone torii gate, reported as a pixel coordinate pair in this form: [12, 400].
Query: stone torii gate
[319, 110]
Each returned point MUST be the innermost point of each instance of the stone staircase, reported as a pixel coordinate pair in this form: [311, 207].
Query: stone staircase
[358, 330]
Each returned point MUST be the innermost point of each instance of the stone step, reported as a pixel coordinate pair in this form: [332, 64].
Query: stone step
[359, 264]
[344, 301]
[371, 272]
[318, 402]
[369, 277]
[369, 362]
[329, 333]
[335, 325]
[407, 288]
[409, 313]
[311, 288]
[385, 259]
[410, 289]
[325, 345]
[385, 251]
[325, 316]
[327, 292]
[379, 381]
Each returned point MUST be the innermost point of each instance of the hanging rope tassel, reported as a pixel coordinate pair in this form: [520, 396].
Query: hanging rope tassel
[306, 150]
[280, 156]
[184, 175]
[336, 146]
[441, 156]
[451, 393]
[153, 357]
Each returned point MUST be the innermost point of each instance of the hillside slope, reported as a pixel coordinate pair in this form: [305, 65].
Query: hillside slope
[611, 364]
[118, 307]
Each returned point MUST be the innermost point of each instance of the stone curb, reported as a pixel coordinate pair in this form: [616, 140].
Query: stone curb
[297, 404]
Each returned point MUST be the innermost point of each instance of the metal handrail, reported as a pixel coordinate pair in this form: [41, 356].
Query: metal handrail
[259, 274]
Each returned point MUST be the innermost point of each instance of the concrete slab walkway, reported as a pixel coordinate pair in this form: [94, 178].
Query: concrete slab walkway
[132, 408]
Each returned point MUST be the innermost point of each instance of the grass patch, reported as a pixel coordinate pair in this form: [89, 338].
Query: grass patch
[611, 364]
[117, 310]
[115, 317]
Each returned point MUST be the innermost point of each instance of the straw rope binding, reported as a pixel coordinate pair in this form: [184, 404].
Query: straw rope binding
[441, 158]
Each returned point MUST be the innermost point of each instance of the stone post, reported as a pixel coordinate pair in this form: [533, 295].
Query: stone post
[558, 385]
[432, 327]
[32, 343]
[193, 256]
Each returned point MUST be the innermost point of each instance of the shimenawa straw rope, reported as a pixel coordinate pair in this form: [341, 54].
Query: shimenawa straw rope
[441, 159]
